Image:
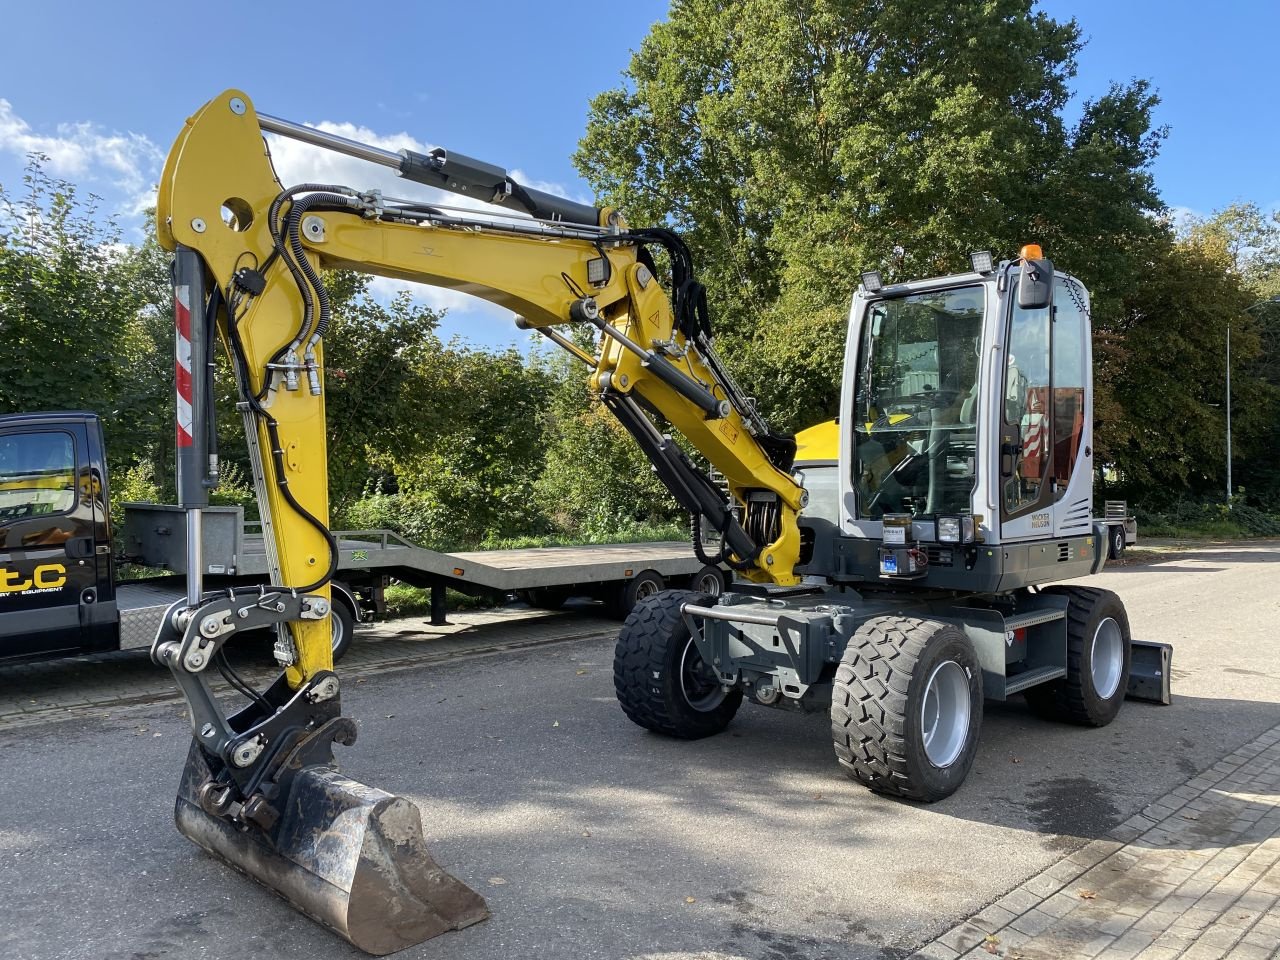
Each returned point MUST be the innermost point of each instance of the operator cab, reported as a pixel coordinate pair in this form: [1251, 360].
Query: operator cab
[965, 437]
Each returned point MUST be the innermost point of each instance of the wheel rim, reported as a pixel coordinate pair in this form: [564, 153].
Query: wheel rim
[710, 583]
[698, 683]
[944, 716]
[337, 631]
[1106, 658]
[1119, 543]
[647, 588]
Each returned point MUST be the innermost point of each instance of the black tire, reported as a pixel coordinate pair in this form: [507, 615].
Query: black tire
[627, 594]
[1115, 544]
[342, 628]
[1076, 698]
[879, 700]
[660, 684]
[545, 598]
[710, 580]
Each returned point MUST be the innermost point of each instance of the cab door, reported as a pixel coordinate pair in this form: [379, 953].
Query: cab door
[47, 547]
[1046, 432]
[1026, 491]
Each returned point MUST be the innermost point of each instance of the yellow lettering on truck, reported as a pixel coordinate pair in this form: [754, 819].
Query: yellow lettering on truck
[50, 575]
[46, 576]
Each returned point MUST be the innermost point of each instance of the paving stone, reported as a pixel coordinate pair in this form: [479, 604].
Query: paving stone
[993, 918]
[934, 951]
[963, 938]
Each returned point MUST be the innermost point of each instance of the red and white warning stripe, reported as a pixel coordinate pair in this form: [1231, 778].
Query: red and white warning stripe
[182, 360]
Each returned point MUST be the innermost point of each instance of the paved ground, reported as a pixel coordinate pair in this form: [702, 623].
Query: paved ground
[1195, 875]
[593, 839]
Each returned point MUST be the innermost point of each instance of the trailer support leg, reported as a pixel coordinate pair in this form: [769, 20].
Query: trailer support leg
[437, 606]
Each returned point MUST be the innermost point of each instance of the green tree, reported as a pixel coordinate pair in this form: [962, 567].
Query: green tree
[1245, 242]
[596, 483]
[67, 308]
[799, 142]
[382, 402]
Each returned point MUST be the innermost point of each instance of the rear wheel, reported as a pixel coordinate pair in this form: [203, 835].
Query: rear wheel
[661, 680]
[906, 707]
[709, 580]
[627, 594]
[1115, 549]
[1098, 657]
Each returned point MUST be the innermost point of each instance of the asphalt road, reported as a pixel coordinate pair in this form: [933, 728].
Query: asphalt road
[594, 839]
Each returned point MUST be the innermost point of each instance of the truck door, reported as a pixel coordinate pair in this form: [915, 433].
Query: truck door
[47, 564]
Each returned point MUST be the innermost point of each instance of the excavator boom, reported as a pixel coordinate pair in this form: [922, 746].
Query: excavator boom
[260, 789]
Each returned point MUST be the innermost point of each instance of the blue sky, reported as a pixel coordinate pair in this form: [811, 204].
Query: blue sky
[107, 86]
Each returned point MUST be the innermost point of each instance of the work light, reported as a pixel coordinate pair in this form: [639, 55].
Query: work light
[598, 272]
[955, 529]
[981, 261]
[871, 281]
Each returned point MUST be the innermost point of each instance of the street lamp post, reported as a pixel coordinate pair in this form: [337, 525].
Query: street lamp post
[1229, 487]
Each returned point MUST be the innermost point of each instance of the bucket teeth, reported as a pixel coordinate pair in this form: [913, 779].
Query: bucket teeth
[347, 855]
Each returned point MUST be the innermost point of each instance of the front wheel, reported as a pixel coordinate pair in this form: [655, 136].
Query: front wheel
[1098, 658]
[661, 680]
[906, 707]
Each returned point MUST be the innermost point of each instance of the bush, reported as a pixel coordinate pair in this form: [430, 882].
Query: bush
[1189, 518]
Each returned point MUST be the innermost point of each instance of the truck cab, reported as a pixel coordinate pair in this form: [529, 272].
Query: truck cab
[56, 578]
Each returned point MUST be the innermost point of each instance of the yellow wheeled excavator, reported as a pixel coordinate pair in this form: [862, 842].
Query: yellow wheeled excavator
[962, 483]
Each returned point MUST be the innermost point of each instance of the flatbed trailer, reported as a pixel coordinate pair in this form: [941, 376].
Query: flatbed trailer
[60, 593]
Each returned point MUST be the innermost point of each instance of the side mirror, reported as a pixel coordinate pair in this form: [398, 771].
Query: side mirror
[1035, 284]
[877, 322]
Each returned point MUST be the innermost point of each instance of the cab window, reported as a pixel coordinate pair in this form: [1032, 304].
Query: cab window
[37, 475]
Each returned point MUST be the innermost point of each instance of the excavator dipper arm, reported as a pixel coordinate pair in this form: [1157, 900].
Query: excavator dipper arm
[260, 790]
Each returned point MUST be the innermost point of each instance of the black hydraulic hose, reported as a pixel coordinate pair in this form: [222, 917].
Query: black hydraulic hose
[299, 278]
[699, 551]
[328, 201]
[277, 455]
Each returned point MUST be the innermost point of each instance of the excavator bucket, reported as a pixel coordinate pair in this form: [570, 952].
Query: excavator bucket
[347, 855]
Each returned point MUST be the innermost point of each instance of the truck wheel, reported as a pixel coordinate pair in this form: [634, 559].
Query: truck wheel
[1115, 549]
[906, 707]
[342, 629]
[661, 680]
[710, 579]
[1098, 655]
[622, 601]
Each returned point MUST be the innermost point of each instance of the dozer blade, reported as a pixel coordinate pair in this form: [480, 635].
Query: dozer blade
[347, 855]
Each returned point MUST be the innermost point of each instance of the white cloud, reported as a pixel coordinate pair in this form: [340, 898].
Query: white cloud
[85, 153]
[1183, 217]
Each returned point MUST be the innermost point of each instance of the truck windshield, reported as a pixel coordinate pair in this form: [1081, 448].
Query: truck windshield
[916, 404]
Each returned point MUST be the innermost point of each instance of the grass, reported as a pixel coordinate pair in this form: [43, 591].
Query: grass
[406, 601]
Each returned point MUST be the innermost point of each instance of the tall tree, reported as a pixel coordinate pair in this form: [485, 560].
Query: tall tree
[66, 304]
[798, 142]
